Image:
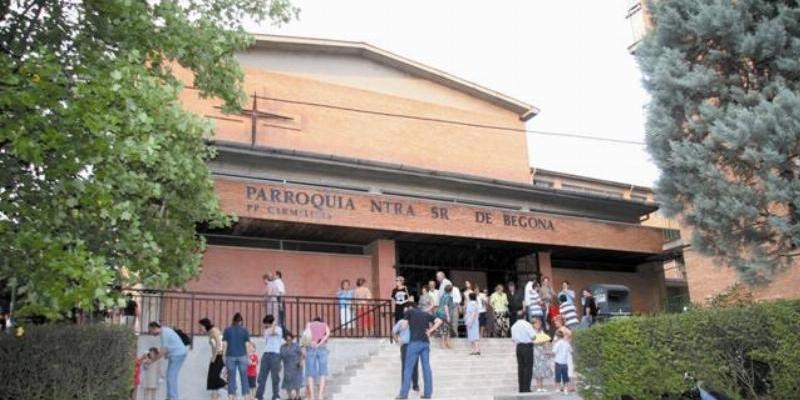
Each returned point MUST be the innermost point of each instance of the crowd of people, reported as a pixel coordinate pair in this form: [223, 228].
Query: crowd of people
[292, 364]
[539, 320]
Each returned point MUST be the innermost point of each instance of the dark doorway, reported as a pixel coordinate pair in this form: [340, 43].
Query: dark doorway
[490, 262]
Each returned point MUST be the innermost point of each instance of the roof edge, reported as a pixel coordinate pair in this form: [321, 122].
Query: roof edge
[524, 110]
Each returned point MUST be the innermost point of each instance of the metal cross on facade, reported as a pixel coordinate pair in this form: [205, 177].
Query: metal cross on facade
[255, 115]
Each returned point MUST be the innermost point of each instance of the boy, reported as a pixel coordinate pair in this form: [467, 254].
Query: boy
[561, 349]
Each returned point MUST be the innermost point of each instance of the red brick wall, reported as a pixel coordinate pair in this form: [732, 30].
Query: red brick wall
[646, 287]
[707, 278]
[426, 144]
[239, 270]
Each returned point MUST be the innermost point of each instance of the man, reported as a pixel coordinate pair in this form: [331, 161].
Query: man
[443, 283]
[589, 308]
[401, 297]
[433, 294]
[522, 334]
[402, 335]
[280, 291]
[130, 314]
[455, 311]
[422, 325]
[173, 349]
[270, 294]
[271, 359]
[515, 300]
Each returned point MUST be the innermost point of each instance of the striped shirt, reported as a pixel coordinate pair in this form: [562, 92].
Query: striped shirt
[534, 303]
[569, 313]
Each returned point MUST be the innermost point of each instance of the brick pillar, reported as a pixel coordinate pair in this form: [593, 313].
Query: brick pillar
[653, 274]
[545, 266]
[383, 261]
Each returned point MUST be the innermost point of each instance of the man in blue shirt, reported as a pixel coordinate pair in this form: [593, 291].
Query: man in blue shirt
[271, 359]
[402, 334]
[422, 325]
[174, 350]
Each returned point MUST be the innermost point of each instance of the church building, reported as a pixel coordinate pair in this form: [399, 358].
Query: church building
[349, 161]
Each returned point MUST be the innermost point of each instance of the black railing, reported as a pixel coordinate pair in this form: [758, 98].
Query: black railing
[356, 319]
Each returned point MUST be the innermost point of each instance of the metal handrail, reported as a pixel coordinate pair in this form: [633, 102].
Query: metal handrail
[182, 309]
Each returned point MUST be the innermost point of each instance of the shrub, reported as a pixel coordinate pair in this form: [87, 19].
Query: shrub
[747, 352]
[55, 362]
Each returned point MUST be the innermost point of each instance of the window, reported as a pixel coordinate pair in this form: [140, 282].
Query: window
[542, 183]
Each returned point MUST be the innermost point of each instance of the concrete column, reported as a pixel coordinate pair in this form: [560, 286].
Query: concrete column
[383, 254]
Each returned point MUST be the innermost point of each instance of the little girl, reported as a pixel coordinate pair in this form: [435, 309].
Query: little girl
[152, 371]
[252, 368]
[292, 357]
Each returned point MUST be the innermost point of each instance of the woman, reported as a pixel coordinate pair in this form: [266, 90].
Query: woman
[541, 364]
[400, 296]
[443, 313]
[292, 357]
[214, 381]
[235, 339]
[362, 294]
[425, 302]
[483, 303]
[499, 302]
[471, 322]
[345, 296]
[317, 355]
[533, 302]
[565, 290]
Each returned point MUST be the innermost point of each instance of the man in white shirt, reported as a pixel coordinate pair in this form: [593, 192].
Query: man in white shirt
[454, 313]
[443, 283]
[280, 291]
[522, 334]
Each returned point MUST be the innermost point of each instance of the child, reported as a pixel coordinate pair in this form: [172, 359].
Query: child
[292, 357]
[252, 368]
[562, 350]
[152, 371]
[137, 372]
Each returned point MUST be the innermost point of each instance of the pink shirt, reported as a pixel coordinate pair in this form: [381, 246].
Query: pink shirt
[317, 331]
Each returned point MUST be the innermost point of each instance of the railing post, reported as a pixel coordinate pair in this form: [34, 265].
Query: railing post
[191, 322]
[297, 317]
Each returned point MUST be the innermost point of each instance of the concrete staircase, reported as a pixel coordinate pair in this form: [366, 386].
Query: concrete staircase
[456, 375]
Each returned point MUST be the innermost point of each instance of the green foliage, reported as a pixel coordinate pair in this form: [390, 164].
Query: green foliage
[101, 168]
[724, 126]
[749, 352]
[56, 362]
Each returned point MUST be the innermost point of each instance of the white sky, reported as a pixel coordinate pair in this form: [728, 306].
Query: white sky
[568, 58]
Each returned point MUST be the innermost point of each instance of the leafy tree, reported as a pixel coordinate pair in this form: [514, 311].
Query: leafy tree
[724, 126]
[103, 174]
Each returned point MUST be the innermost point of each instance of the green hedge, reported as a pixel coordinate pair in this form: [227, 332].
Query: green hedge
[749, 353]
[55, 362]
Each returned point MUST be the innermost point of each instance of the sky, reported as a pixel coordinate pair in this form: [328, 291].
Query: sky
[569, 58]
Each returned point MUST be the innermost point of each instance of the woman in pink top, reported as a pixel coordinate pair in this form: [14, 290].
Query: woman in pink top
[317, 355]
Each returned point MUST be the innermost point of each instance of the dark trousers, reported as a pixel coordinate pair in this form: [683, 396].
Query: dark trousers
[270, 363]
[524, 366]
[415, 376]
[281, 313]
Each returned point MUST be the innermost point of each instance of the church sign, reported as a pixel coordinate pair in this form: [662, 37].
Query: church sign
[292, 203]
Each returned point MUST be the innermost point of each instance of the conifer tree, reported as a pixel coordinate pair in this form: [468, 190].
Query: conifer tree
[724, 126]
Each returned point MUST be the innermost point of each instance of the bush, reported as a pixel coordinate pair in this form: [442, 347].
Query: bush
[55, 362]
[749, 352]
